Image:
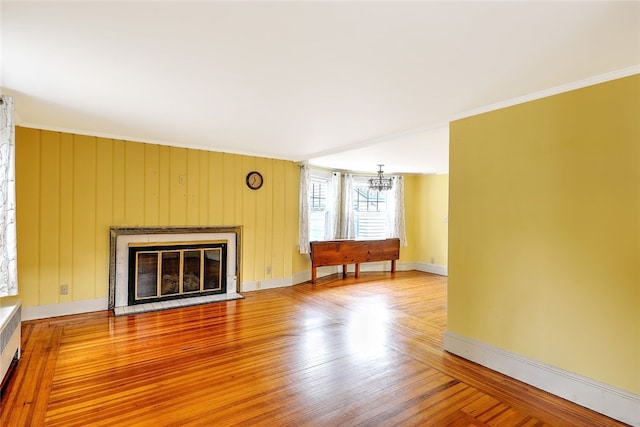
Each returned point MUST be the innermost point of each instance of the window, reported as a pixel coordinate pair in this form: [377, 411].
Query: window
[318, 188]
[370, 211]
[341, 206]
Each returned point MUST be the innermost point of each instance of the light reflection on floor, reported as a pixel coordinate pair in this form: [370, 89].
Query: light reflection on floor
[331, 350]
[363, 334]
[367, 328]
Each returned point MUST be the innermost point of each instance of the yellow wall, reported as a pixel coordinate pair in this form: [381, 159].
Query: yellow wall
[431, 238]
[544, 230]
[70, 189]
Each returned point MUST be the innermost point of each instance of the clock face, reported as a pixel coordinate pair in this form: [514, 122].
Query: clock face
[254, 180]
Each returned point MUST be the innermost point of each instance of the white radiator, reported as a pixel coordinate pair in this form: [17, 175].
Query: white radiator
[10, 318]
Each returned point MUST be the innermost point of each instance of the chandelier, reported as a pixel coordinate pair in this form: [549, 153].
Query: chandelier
[380, 183]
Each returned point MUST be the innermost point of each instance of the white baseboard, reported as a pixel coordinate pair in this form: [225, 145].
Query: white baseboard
[301, 277]
[64, 309]
[86, 306]
[305, 276]
[405, 266]
[611, 401]
[265, 284]
[441, 270]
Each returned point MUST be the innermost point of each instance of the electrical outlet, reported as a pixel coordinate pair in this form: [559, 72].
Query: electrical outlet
[64, 289]
[267, 270]
[258, 284]
[433, 260]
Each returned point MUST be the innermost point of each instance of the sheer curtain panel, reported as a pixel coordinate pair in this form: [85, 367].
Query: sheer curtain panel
[348, 220]
[333, 206]
[303, 227]
[8, 251]
[395, 212]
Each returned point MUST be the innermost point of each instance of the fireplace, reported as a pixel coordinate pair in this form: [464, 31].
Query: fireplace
[170, 271]
[172, 265]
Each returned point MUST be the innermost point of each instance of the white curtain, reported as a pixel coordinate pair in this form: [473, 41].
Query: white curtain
[332, 226]
[8, 248]
[395, 211]
[303, 227]
[348, 221]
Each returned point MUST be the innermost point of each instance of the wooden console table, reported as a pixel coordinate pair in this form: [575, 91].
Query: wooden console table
[344, 252]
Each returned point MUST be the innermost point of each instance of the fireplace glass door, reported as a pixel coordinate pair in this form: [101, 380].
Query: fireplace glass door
[161, 272]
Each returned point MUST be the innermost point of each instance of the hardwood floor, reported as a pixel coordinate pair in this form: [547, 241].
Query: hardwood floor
[338, 353]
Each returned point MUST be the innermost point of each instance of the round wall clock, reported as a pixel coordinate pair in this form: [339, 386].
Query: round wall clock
[254, 180]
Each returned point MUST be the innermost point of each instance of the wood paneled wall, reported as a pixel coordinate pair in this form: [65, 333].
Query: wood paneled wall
[72, 188]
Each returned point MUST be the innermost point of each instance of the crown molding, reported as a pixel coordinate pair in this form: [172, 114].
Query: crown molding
[579, 84]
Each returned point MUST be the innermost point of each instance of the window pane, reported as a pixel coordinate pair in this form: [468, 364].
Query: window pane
[318, 195]
[370, 212]
[318, 189]
[371, 225]
[316, 225]
[365, 200]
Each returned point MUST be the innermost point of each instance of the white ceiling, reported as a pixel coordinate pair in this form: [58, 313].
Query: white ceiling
[345, 85]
